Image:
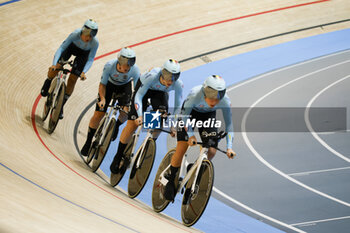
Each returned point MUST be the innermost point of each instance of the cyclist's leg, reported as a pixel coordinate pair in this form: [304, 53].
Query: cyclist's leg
[78, 66]
[66, 54]
[124, 101]
[159, 99]
[126, 134]
[50, 75]
[96, 118]
[208, 131]
[181, 148]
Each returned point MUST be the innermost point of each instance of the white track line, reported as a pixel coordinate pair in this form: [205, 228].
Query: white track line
[283, 69]
[317, 171]
[256, 212]
[247, 82]
[309, 126]
[318, 221]
[262, 160]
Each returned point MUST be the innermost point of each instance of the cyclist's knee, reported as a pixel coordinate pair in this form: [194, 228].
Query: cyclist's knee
[73, 78]
[211, 153]
[95, 119]
[51, 73]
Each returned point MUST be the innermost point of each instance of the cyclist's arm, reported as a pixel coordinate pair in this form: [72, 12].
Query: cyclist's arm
[226, 110]
[63, 47]
[178, 96]
[186, 110]
[141, 92]
[92, 55]
[135, 74]
[105, 73]
[102, 91]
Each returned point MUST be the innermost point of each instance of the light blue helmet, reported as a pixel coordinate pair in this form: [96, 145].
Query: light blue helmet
[90, 28]
[214, 87]
[127, 56]
[171, 70]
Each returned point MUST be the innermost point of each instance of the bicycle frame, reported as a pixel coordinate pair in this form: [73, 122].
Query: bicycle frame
[142, 147]
[109, 115]
[59, 79]
[183, 170]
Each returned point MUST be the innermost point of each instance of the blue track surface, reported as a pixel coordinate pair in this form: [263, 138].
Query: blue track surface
[218, 217]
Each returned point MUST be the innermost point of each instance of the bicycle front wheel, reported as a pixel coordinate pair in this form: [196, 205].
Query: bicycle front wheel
[139, 175]
[103, 148]
[96, 141]
[57, 108]
[194, 203]
[116, 178]
[49, 99]
[159, 202]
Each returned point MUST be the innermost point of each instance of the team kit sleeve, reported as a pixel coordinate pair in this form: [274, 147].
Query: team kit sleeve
[105, 73]
[63, 47]
[136, 74]
[146, 84]
[179, 86]
[92, 55]
[188, 105]
[227, 113]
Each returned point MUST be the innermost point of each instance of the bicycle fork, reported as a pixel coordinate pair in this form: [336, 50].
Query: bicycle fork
[136, 135]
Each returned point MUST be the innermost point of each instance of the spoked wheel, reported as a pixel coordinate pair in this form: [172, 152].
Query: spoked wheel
[57, 108]
[95, 142]
[159, 202]
[124, 163]
[194, 204]
[139, 175]
[49, 99]
[103, 148]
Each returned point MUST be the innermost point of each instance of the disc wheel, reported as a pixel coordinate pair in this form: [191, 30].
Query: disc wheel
[159, 202]
[139, 176]
[194, 203]
[124, 163]
[103, 148]
[56, 110]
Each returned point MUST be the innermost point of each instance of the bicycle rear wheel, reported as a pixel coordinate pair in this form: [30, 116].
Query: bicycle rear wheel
[139, 176]
[57, 108]
[194, 204]
[159, 202]
[95, 142]
[116, 178]
[103, 148]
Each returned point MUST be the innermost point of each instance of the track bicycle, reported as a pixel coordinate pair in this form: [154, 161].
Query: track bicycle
[141, 162]
[105, 132]
[195, 181]
[55, 98]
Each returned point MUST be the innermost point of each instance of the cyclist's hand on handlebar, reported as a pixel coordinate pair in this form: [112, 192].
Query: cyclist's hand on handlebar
[138, 121]
[230, 153]
[192, 141]
[82, 76]
[172, 132]
[102, 103]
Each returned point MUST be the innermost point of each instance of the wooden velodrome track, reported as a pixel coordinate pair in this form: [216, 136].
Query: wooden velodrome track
[44, 184]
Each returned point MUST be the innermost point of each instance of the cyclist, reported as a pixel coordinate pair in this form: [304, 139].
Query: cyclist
[117, 77]
[83, 44]
[155, 85]
[201, 104]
